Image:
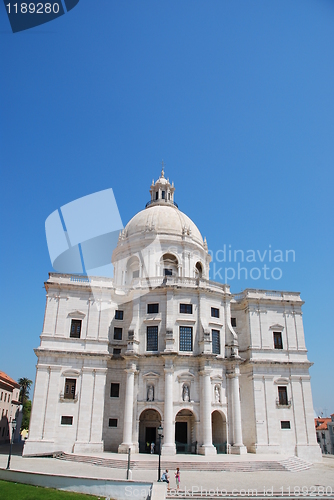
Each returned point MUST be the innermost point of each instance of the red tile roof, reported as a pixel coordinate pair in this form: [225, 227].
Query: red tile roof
[321, 423]
[5, 378]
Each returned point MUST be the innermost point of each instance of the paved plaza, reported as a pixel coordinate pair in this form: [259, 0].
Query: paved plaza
[318, 479]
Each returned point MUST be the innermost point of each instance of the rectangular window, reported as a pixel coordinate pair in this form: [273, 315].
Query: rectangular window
[5, 399]
[119, 314]
[8, 398]
[75, 328]
[152, 338]
[282, 396]
[117, 333]
[152, 308]
[168, 272]
[1, 395]
[112, 422]
[215, 341]
[116, 351]
[157, 195]
[186, 338]
[234, 322]
[69, 391]
[135, 274]
[114, 390]
[285, 424]
[163, 194]
[66, 420]
[186, 308]
[278, 344]
[214, 312]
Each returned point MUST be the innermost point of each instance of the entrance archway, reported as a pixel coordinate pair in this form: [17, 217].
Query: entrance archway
[185, 434]
[219, 437]
[149, 422]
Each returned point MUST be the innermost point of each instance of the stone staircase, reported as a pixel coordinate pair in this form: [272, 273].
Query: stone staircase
[291, 464]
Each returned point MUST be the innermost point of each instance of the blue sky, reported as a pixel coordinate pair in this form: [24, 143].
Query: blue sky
[236, 97]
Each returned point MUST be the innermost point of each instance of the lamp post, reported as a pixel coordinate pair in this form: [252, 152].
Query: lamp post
[11, 442]
[160, 429]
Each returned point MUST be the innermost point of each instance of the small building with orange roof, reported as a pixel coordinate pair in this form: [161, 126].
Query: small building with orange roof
[324, 432]
[10, 408]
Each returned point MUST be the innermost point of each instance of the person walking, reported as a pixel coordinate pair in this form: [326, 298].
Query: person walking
[177, 478]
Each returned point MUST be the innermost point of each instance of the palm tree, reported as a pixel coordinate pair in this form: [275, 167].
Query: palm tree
[25, 384]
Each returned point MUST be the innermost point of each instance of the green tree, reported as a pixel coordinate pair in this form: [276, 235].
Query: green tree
[25, 385]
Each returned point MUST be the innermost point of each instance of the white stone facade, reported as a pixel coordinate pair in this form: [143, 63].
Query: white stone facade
[160, 344]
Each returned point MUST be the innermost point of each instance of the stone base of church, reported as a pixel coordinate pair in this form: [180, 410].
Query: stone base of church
[267, 449]
[238, 449]
[168, 449]
[311, 453]
[38, 447]
[88, 447]
[207, 450]
[124, 448]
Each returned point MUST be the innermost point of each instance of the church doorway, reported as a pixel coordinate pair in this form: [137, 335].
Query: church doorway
[185, 439]
[219, 439]
[149, 422]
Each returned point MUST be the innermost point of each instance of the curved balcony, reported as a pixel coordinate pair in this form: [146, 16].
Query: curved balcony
[161, 202]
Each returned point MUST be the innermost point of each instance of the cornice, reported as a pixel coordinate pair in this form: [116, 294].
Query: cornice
[259, 362]
[41, 352]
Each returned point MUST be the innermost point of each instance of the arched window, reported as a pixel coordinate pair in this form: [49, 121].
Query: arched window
[198, 270]
[169, 265]
[132, 269]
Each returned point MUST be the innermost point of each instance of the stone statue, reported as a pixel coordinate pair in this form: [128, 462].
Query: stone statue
[150, 393]
[185, 393]
[217, 394]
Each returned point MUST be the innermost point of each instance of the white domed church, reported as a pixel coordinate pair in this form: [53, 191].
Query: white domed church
[159, 344]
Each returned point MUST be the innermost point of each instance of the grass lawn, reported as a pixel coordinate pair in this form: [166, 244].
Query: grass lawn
[18, 491]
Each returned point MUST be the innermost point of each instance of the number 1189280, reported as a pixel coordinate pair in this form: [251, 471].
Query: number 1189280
[33, 8]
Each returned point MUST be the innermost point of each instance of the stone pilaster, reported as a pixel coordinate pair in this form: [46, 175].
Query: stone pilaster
[128, 410]
[168, 447]
[238, 447]
[207, 447]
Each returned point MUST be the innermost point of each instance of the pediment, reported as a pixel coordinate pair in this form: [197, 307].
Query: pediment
[151, 375]
[71, 373]
[282, 381]
[277, 327]
[76, 314]
[186, 376]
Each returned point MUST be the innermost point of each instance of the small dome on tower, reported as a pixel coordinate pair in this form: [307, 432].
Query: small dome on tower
[162, 191]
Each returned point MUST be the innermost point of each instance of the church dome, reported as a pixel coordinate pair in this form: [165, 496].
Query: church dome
[163, 219]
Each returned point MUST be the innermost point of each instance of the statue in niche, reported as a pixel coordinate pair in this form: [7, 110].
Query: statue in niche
[217, 394]
[185, 393]
[150, 393]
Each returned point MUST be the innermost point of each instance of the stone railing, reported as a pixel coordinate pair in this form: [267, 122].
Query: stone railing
[286, 404]
[66, 399]
[252, 293]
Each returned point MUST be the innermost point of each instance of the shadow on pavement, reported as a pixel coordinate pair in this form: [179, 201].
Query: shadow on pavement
[17, 449]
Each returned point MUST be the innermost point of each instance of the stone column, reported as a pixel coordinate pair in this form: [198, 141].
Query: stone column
[238, 447]
[128, 410]
[207, 447]
[168, 448]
